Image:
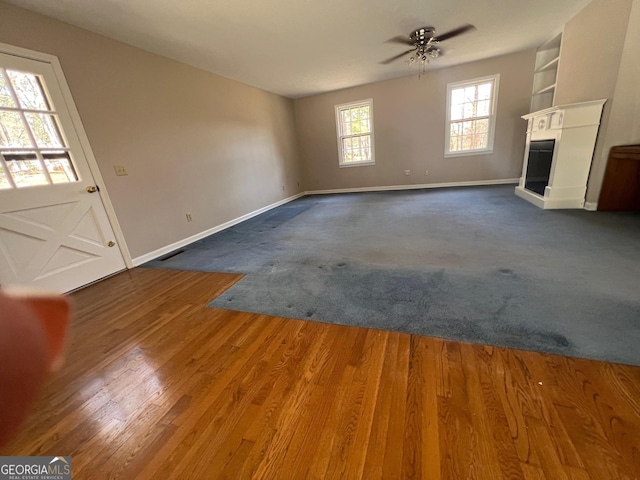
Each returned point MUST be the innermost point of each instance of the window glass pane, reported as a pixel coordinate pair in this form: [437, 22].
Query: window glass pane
[60, 167]
[482, 126]
[44, 129]
[346, 150]
[4, 181]
[470, 94]
[468, 128]
[457, 96]
[26, 170]
[469, 111]
[457, 111]
[479, 141]
[456, 128]
[454, 136]
[483, 108]
[474, 134]
[484, 91]
[346, 129]
[362, 123]
[12, 131]
[469, 142]
[365, 149]
[28, 89]
[5, 95]
[350, 114]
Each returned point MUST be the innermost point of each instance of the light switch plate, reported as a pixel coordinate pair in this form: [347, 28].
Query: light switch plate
[120, 170]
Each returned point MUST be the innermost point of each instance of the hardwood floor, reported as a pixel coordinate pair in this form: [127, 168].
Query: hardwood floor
[156, 385]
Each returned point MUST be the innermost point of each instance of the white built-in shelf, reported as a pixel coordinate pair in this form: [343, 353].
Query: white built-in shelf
[545, 74]
[546, 89]
[553, 64]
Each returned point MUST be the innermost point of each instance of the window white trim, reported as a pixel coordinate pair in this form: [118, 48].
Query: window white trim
[344, 106]
[495, 81]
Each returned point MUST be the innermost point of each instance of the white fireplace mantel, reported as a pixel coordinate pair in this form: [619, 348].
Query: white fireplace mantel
[574, 128]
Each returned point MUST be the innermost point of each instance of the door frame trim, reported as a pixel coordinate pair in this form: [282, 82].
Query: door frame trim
[82, 136]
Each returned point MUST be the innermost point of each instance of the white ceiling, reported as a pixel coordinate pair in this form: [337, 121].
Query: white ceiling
[302, 47]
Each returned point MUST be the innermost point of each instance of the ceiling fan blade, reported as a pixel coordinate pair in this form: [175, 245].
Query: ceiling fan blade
[455, 32]
[393, 59]
[400, 39]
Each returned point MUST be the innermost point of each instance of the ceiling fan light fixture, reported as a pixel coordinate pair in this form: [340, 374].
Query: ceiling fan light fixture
[423, 43]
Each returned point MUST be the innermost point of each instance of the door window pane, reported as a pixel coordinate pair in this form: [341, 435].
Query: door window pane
[29, 90]
[26, 170]
[5, 95]
[44, 129]
[4, 181]
[12, 131]
[60, 167]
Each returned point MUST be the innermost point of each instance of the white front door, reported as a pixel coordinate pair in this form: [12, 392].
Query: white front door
[54, 231]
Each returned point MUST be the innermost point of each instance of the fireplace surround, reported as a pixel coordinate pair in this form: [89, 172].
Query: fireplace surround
[558, 154]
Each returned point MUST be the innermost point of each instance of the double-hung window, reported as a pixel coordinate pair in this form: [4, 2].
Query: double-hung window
[354, 124]
[471, 116]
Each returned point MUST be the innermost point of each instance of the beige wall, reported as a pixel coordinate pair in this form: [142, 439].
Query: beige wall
[592, 46]
[409, 128]
[191, 141]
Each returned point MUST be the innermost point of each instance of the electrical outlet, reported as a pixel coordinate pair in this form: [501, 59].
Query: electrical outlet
[407, 172]
[283, 188]
[426, 172]
[188, 217]
[120, 170]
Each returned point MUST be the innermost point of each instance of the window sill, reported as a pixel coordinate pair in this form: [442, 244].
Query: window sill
[356, 164]
[468, 153]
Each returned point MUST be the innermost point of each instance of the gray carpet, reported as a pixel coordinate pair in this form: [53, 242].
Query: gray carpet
[471, 264]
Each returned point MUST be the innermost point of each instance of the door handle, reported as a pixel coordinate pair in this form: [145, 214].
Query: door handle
[92, 189]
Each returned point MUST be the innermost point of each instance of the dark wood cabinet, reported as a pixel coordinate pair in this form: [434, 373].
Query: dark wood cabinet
[621, 184]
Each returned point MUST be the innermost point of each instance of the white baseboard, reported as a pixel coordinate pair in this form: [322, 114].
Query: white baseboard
[198, 236]
[591, 206]
[475, 183]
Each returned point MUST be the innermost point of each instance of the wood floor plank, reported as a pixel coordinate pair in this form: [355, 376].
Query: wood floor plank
[489, 419]
[157, 385]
